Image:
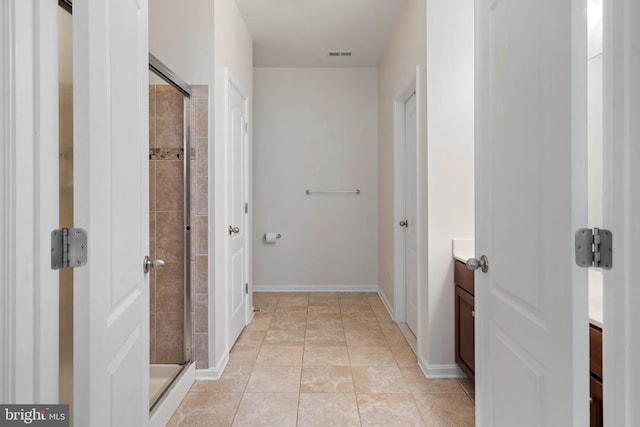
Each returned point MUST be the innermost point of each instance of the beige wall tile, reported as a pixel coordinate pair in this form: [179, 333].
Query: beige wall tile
[199, 281]
[200, 112]
[200, 235]
[169, 117]
[169, 235]
[169, 185]
[152, 116]
[169, 337]
[200, 166]
[199, 195]
[201, 350]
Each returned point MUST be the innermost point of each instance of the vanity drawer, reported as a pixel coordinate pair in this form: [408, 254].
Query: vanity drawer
[463, 277]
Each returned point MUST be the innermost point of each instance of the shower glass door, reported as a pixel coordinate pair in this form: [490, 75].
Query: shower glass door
[169, 229]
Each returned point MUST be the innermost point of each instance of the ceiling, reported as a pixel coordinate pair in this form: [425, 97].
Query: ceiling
[299, 33]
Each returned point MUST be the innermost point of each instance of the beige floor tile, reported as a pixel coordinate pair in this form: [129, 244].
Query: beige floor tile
[405, 357]
[328, 336]
[324, 320]
[371, 356]
[324, 309]
[290, 323]
[452, 410]
[296, 301]
[291, 310]
[243, 354]
[278, 337]
[278, 375]
[379, 379]
[393, 410]
[394, 337]
[417, 382]
[234, 380]
[325, 356]
[206, 409]
[365, 337]
[328, 409]
[359, 322]
[267, 409]
[259, 323]
[468, 387]
[269, 379]
[251, 337]
[278, 355]
[323, 299]
[326, 379]
[357, 311]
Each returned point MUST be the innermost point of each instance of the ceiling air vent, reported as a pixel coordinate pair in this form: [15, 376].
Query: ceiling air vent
[338, 54]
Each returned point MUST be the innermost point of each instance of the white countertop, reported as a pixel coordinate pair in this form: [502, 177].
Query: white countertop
[463, 249]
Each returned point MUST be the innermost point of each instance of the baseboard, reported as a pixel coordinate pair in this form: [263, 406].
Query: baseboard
[166, 407]
[315, 288]
[387, 305]
[214, 373]
[439, 371]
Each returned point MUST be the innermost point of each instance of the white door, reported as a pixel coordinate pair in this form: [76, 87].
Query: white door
[621, 336]
[531, 304]
[236, 261]
[111, 296]
[410, 208]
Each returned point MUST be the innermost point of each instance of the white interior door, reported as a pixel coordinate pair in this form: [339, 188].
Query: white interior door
[111, 296]
[410, 202]
[236, 261]
[531, 304]
[621, 334]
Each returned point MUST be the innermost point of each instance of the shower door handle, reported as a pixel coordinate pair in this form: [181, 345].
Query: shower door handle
[149, 263]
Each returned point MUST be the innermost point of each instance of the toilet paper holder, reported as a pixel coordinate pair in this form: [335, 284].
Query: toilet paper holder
[278, 236]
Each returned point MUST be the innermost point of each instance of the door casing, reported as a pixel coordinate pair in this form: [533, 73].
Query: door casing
[399, 262]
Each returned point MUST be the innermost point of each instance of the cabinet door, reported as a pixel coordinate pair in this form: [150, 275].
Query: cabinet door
[465, 341]
[596, 403]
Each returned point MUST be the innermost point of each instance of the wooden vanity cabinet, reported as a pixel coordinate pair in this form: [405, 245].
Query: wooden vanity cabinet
[595, 366]
[464, 319]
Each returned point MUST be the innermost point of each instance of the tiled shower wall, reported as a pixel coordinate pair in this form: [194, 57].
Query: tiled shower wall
[166, 157]
[199, 221]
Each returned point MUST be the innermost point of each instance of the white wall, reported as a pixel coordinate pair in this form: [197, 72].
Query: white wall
[406, 50]
[315, 129]
[181, 37]
[233, 51]
[450, 136]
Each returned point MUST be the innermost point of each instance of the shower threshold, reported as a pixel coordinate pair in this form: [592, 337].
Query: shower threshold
[160, 377]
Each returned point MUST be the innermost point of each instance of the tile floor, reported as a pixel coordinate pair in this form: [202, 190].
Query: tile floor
[324, 359]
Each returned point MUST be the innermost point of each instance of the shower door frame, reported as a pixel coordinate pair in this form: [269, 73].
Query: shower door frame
[165, 73]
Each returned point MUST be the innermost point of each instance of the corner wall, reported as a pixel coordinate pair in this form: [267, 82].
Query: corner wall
[316, 128]
[233, 51]
[450, 135]
[406, 50]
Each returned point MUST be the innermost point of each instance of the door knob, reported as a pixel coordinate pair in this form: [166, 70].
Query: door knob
[404, 223]
[482, 264]
[152, 263]
[235, 230]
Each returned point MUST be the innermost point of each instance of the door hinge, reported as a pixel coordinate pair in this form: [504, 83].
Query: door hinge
[246, 127]
[246, 208]
[594, 248]
[68, 248]
[246, 288]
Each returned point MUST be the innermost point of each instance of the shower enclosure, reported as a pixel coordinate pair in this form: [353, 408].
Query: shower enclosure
[170, 308]
[169, 227]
